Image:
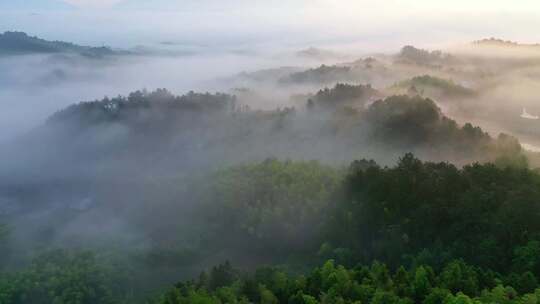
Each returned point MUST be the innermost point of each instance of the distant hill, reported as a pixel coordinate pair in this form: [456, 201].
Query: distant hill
[268, 74]
[320, 75]
[204, 129]
[434, 87]
[19, 43]
[502, 43]
[412, 55]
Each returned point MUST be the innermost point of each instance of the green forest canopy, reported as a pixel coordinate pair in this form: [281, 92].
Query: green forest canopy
[442, 234]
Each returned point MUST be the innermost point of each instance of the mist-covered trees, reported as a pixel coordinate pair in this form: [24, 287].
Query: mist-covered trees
[65, 277]
[436, 87]
[171, 185]
[272, 207]
[442, 234]
[417, 123]
[412, 55]
[320, 75]
[206, 129]
[143, 107]
[4, 245]
[135, 158]
[343, 95]
[409, 120]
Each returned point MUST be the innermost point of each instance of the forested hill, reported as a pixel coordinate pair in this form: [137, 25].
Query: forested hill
[19, 43]
[427, 85]
[158, 105]
[341, 119]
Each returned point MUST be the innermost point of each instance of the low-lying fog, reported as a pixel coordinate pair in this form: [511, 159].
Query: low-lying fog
[35, 86]
[256, 34]
[32, 87]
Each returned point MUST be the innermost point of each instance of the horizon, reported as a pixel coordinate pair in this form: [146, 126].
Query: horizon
[356, 24]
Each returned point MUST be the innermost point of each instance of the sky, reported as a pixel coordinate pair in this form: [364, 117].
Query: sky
[383, 24]
[463, 5]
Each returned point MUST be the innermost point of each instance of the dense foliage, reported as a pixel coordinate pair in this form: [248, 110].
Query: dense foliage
[65, 277]
[456, 282]
[486, 214]
[342, 95]
[272, 208]
[432, 217]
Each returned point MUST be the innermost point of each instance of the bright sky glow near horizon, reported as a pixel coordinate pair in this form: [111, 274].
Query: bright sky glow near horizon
[381, 24]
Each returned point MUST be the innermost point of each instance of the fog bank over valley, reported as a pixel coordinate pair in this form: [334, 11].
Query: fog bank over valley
[163, 153]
